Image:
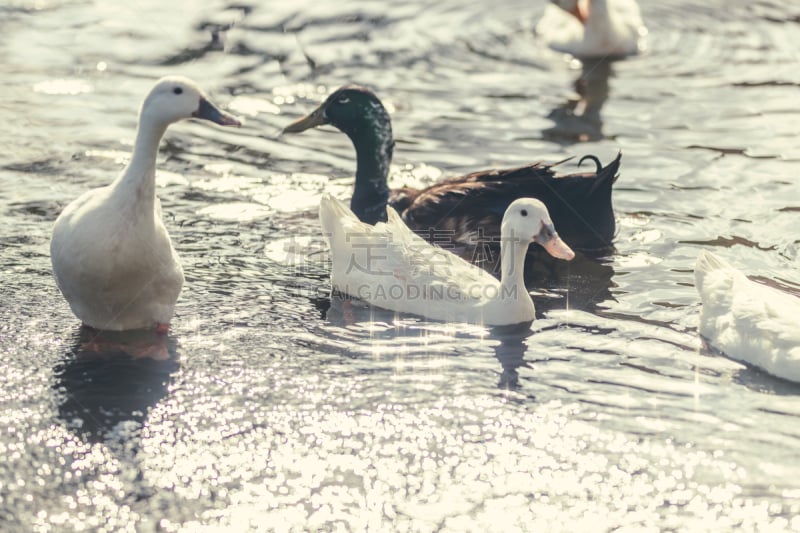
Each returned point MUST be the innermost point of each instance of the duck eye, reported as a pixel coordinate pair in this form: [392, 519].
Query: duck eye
[524, 212]
[177, 90]
[344, 99]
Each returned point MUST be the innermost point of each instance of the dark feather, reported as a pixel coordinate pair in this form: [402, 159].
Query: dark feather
[471, 207]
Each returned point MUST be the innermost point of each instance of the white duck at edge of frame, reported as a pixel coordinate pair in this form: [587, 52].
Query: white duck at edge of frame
[748, 321]
[593, 28]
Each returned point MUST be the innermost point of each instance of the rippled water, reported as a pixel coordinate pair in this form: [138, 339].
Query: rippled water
[281, 408]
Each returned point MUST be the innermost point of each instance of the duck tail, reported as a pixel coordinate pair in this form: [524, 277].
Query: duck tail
[607, 175]
[333, 214]
[706, 263]
[392, 217]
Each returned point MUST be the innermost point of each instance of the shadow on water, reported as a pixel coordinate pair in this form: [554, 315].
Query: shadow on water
[584, 282]
[578, 119]
[580, 284]
[753, 377]
[510, 352]
[757, 380]
[103, 385]
[342, 310]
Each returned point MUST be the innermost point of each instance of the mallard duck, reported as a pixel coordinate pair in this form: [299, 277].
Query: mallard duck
[390, 266]
[112, 256]
[593, 28]
[748, 321]
[469, 207]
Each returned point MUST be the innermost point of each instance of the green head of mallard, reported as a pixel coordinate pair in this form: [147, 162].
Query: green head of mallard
[358, 113]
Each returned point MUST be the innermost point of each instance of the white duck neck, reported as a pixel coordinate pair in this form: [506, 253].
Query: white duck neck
[138, 180]
[512, 257]
[599, 14]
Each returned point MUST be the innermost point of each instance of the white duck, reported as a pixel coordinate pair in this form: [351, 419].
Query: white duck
[748, 321]
[593, 28]
[390, 266]
[112, 257]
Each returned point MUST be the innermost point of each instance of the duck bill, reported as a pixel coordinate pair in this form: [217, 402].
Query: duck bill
[209, 111]
[312, 120]
[579, 12]
[557, 248]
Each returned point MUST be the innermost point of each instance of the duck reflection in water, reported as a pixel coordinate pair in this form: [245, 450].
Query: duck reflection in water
[510, 352]
[101, 389]
[510, 349]
[578, 119]
[343, 310]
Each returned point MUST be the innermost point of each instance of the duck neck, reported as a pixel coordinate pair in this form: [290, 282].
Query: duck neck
[138, 180]
[374, 145]
[512, 278]
[598, 13]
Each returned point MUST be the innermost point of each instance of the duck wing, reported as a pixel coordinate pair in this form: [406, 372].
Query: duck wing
[415, 262]
[771, 311]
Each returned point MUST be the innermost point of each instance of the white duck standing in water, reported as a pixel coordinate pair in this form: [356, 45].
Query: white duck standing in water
[593, 28]
[748, 321]
[112, 256]
[390, 266]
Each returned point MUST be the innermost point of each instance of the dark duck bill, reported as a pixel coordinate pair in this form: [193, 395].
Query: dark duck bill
[312, 120]
[208, 111]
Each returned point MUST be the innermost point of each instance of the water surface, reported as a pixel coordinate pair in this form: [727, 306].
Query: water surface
[281, 407]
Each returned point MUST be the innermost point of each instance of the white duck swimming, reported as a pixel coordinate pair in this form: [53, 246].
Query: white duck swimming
[112, 256]
[390, 266]
[748, 321]
[593, 28]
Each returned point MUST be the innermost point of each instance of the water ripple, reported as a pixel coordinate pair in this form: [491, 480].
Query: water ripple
[285, 406]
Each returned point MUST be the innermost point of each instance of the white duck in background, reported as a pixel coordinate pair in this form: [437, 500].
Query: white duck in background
[390, 266]
[112, 256]
[748, 321]
[593, 28]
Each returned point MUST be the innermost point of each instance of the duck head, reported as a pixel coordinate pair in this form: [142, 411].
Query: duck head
[358, 113]
[352, 109]
[527, 219]
[577, 8]
[175, 98]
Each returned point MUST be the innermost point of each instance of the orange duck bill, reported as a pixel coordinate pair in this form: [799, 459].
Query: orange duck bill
[548, 239]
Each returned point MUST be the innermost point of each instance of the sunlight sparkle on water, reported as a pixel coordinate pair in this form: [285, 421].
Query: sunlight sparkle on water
[301, 90]
[226, 183]
[235, 211]
[63, 86]
[250, 106]
[290, 201]
[637, 260]
[165, 178]
[298, 250]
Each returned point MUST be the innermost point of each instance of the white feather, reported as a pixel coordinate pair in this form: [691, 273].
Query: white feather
[388, 265]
